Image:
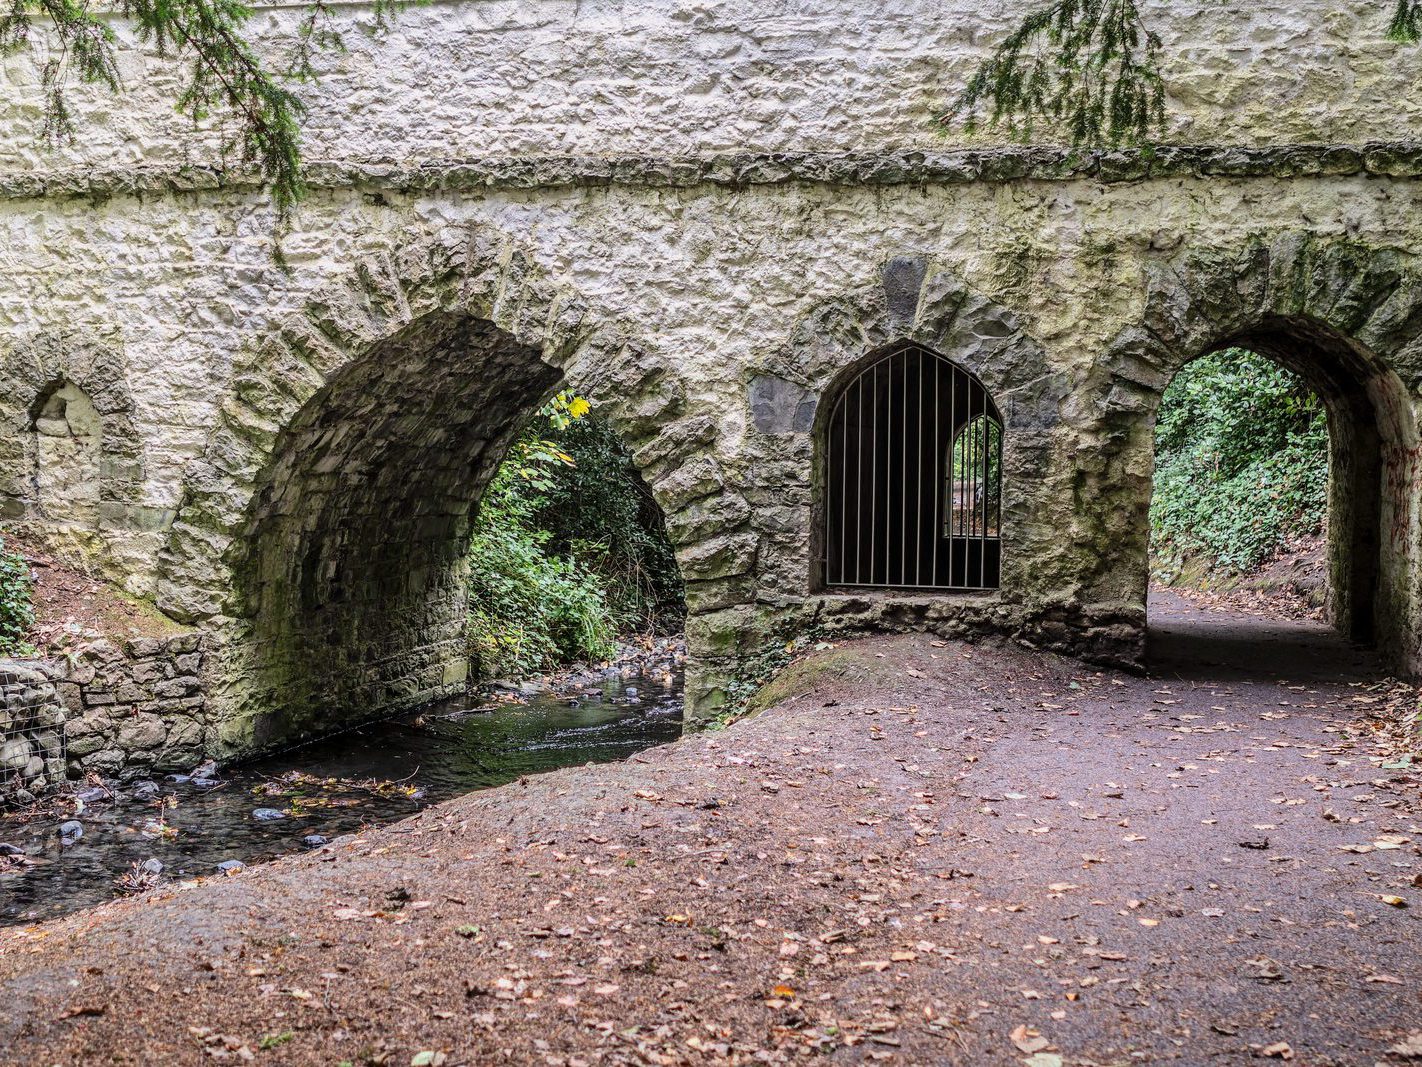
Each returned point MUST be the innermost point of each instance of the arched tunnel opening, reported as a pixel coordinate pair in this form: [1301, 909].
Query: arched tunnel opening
[1239, 508]
[374, 523]
[1272, 487]
[569, 554]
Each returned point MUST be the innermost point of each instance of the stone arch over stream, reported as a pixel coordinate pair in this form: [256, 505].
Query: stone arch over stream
[324, 532]
[294, 451]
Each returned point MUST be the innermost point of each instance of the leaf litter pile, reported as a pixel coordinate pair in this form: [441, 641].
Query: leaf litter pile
[932, 853]
[303, 793]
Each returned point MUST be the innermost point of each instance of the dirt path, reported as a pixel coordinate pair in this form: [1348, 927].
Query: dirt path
[936, 854]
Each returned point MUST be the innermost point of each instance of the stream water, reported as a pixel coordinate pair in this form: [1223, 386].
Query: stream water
[367, 776]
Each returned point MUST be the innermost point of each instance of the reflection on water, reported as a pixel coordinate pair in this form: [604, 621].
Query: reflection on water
[371, 775]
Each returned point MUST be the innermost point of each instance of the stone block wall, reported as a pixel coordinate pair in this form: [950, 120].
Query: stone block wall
[510, 78]
[31, 731]
[120, 711]
[135, 708]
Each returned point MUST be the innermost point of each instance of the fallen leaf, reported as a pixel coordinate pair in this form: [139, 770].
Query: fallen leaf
[1027, 1039]
[84, 1010]
[1278, 1050]
[1410, 1047]
[1266, 970]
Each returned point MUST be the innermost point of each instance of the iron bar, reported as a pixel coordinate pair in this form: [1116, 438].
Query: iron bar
[903, 472]
[918, 495]
[859, 488]
[843, 479]
[937, 484]
[958, 462]
[874, 473]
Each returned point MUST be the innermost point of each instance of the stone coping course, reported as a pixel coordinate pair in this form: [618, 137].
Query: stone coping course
[1400, 159]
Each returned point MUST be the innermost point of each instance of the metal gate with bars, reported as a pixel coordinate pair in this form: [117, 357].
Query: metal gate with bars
[913, 478]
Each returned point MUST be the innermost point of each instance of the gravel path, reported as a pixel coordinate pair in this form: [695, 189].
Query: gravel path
[936, 853]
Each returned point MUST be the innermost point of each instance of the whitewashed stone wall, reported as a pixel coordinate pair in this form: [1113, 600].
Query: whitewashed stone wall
[523, 77]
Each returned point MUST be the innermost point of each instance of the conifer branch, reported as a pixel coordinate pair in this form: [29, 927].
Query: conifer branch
[1090, 68]
[1406, 25]
[225, 76]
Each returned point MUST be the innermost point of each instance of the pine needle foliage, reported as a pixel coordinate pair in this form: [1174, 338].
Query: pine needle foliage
[1406, 25]
[224, 75]
[1090, 67]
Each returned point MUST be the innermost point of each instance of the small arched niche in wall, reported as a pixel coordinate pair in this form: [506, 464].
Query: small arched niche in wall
[67, 452]
[911, 494]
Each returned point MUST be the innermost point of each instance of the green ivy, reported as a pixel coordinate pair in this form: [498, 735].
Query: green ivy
[529, 609]
[17, 614]
[756, 669]
[1241, 462]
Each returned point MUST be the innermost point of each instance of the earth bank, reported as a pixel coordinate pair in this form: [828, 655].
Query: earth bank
[929, 852]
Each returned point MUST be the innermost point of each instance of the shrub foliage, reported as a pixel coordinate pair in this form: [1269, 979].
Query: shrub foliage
[1241, 462]
[569, 550]
[16, 613]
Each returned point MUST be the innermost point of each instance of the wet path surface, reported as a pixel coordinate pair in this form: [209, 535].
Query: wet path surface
[935, 853]
[375, 774]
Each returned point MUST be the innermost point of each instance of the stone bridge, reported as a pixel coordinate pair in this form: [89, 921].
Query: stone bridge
[704, 216]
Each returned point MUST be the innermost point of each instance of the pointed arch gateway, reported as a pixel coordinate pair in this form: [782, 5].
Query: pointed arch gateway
[913, 477]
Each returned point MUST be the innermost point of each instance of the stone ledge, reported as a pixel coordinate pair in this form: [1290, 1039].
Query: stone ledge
[1400, 159]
